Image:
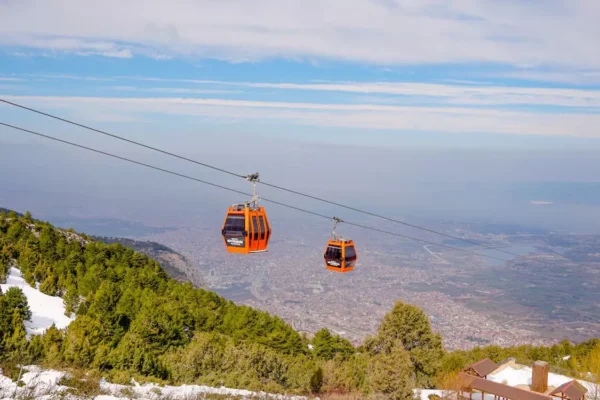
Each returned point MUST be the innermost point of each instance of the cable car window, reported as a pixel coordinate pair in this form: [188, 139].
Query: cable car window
[235, 224]
[334, 252]
[255, 228]
[350, 253]
[262, 227]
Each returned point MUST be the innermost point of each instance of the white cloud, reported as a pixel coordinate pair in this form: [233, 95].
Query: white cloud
[397, 93]
[366, 116]
[31, 54]
[562, 33]
[69, 77]
[409, 92]
[77, 46]
[172, 90]
[123, 53]
[457, 94]
[571, 77]
[159, 56]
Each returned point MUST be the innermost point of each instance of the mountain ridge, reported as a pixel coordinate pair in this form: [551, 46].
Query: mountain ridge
[174, 263]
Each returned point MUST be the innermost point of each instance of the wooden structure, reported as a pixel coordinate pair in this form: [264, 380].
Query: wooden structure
[539, 376]
[481, 368]
[572, 390]
[475, 388]
[474, 385]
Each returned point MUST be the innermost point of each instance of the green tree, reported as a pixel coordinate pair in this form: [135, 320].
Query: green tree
[5, 324]
[29, 278]
[15, 231]
[49, 286]
[16, 343]
[452, 362]
[327, 346]
[391, 373]
[316, 381]
[53, 341]
[591, 372]
[408, 326]
[71, 300]
[15, 300]
[81, 341]
[3, 268]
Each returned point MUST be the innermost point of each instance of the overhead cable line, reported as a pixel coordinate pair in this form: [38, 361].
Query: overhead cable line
[244, 193]
[309, 196]
[121, 138]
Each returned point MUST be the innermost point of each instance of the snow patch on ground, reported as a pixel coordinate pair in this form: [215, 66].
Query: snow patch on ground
[521, 375]
[154, 391]
[425, 393]
[38, 384]
[45, 310]
[42, 383]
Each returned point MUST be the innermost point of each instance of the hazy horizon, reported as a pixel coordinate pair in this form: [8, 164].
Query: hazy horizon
[492, 186]
[430, 110]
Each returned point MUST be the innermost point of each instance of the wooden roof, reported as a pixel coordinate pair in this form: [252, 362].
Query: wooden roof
[483, 367]
[470, 383]
[573, 390]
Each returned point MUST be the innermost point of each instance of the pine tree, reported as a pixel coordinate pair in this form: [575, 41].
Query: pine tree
[71, 300]
[3, 268]
[391, 374]
[5, 324]
[408, 326]
[316, 381]
[53, 341]
[29, 278]
[48, 285]
[327, 346]
[17, 342]
[15, 300]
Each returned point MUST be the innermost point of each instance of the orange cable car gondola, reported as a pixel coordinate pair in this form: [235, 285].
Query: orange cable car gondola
[246, 228]
[340, 254]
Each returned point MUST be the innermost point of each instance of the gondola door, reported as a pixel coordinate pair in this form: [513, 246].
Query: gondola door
[253, 231]
[350, 256]
[265, 231]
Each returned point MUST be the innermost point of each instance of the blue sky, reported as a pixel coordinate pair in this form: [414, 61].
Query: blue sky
[483, 73]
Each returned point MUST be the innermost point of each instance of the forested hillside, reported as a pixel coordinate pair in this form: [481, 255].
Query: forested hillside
[6, 211]
[132, 317]
[132, 320]
[176, 265]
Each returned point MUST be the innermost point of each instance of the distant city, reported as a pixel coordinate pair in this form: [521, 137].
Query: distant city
[548, 295]
[472, 301]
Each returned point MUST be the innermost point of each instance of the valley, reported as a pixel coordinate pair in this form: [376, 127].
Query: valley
[471, 300]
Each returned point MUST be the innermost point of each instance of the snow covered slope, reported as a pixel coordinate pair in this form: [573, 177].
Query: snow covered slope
[43, 384]
[45, 310]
